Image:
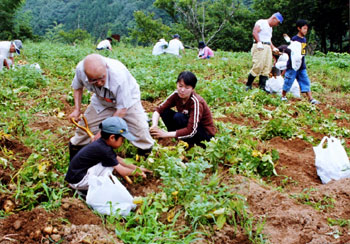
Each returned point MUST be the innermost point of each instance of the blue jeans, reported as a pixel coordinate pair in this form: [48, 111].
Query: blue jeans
[302, 79]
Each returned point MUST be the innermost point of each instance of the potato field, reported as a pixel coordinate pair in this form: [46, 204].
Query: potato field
[255, 182]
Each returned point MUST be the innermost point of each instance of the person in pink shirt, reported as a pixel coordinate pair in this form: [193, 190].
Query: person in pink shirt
[204, 51]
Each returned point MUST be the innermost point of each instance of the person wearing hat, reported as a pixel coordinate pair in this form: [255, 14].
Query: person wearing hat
[160, 47]
[262, 50]
[99, 157]
[115, 93]
[204, 51]
[175, 45]
[7, 50]
[105, 44]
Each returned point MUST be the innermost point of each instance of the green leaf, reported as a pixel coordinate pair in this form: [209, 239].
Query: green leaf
[221, 221]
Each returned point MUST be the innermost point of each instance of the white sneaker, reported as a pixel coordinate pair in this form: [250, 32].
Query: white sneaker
[314, 101]
[284, 99]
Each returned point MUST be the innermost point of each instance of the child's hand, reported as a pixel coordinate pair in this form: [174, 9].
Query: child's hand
[286, 38]
[142, 172]
[146, 170]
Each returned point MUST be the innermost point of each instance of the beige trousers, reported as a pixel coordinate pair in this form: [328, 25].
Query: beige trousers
[262, 60]
[135, 118]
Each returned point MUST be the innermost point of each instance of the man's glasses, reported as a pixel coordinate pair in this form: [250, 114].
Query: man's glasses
[94, 81]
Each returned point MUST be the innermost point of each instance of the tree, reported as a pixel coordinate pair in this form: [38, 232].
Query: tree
[204, 19]
[237, 33]
[98, 17]
[7, 15]
[148, 30]
[75, 36]
[328, 18]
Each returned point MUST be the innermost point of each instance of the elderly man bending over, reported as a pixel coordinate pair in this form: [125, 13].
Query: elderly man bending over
[116, 93]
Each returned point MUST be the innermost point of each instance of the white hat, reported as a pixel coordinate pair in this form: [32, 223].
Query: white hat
[18, 45]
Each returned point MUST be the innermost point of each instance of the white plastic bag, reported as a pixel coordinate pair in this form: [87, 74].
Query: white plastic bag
[332, 162]
[296, 56]
[275, 85]
[282, 62]
[106, 194]
[295, 89]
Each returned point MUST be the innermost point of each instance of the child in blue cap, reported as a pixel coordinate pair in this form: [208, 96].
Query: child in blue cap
[99, 158]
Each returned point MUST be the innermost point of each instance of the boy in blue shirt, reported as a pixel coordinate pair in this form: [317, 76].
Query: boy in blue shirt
[301, 73]
[98, 157]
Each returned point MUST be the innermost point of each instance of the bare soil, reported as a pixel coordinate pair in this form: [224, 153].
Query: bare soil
[73, 222]
[144, 187]
[287, 218]
[296, 166]
[151, 106]
[14, 149]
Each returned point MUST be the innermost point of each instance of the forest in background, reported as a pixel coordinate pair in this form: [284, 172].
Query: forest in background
[223, 24]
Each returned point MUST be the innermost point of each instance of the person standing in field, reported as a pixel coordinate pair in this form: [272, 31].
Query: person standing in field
[204, 51]
[175, 45]
[300, 74]
[115, 93]
[105, 44]
[7, 50]
[261, 50]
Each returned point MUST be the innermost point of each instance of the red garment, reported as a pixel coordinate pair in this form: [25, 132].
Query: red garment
[197, 110]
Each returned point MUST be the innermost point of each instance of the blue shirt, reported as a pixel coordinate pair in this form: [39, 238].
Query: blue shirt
[89, 156]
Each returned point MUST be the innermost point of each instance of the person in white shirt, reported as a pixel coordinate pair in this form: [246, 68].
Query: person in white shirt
[115, 93]
[261, 50]
[7, 50]
[105, 44]
[175, 45]
[160, 47]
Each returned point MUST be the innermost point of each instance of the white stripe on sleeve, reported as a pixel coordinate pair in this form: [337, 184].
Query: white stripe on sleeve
[196, 119]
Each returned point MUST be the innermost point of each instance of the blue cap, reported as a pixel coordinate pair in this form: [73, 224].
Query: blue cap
[176, 36]
[279, 16]
[117, 126]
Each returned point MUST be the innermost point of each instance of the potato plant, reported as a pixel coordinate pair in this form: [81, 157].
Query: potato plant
[196, 196]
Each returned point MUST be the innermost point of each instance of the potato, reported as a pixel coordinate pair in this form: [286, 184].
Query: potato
[48, 229]
[8, 206]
